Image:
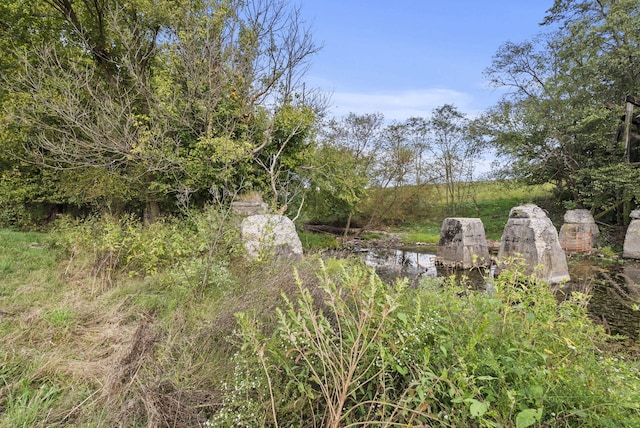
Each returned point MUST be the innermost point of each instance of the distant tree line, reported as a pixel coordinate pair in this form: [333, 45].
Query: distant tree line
[360, 157]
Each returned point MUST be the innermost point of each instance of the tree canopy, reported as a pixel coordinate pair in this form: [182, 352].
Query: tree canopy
[124, 104]
[147, 104]
[566, 96]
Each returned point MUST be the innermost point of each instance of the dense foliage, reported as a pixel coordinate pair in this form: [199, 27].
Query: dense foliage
[560, 121]
[122, 105]
[436, 355]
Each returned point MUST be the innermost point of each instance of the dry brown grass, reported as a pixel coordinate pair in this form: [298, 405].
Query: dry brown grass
[117, 363]
[104, 350]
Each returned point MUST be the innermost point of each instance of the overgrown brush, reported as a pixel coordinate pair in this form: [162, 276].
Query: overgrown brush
[122, 245]
[436, 355]
[142, 343]
[334, 346]
[136, 350]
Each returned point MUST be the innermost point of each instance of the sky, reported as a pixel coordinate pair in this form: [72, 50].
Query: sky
[403, 58]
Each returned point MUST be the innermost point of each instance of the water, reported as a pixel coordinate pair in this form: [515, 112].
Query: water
[614, 291]
[394, 262]
[416, 263]
[614, 288]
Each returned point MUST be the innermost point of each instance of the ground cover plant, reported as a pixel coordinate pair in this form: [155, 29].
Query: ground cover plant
[107, 322]
[436, 355]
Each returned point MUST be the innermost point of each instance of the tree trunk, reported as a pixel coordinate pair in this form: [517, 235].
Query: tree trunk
[346, 228]
[151, 212]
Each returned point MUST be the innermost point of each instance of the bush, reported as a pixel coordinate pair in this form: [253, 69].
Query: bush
[436, 355]
[123, 245]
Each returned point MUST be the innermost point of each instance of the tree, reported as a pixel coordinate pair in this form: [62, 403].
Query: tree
[143, 101]
[353, 142]
[337, 184]
[399, 174]
[567, 92]
[396, 162]
[453, 149]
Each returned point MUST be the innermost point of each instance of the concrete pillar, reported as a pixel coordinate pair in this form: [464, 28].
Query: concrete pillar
[631, 248]
[270, 235]
[247, 208]
[529, 234]
[579, 231]
[462, 244]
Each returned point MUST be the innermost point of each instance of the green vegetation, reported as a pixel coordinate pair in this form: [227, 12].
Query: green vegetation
[427, 232]
[437, 355]
[109, 323]
[312, 241]
[114, 112]
[492, 202]
[557, 119]
[146, 106]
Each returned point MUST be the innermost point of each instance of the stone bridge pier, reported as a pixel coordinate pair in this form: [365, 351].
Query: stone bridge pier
[529, 234]
[462, 244]
[631, 248]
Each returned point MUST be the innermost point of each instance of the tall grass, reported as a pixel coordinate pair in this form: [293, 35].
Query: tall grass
[108, 323]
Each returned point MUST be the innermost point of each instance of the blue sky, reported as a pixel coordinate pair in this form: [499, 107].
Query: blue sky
[403, 58]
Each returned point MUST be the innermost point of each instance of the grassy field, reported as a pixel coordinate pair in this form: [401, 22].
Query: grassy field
[491, 202]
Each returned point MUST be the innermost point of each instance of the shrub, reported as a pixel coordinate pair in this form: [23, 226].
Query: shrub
[436, 355]
[123, 245]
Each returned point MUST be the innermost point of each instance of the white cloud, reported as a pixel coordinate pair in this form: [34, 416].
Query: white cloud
[399, 105]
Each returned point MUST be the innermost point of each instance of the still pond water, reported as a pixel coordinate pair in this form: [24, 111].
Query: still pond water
[614, 288]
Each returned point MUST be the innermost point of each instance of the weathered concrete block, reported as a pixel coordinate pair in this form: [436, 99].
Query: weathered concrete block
[460, 240]
[530, 234]
[579, 231]
[270, 235]
[579, 216]
[631, 248]
[246, 208]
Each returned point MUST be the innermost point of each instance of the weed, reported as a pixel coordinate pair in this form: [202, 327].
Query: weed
[434, 355]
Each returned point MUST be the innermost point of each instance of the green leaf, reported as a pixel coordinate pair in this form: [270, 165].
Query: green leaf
[528, 417]
[427, 356]
[486, 377]
[477, 408]
[402, 370]
[443, 350]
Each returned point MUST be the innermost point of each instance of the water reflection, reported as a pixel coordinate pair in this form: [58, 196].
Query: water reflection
[615, 293]
[614, 289]
[401, 262]
[416, 263]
